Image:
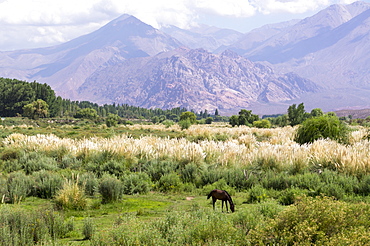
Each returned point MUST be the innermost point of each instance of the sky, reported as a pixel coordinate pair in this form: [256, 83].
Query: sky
[26, 24]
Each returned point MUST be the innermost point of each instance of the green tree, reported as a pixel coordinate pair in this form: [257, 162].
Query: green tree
[316, 112]
[87, 113]
[296, 114]
[188, 116]
[112, 120]
[234, 120]
[322, 127]
[37, 109]
[14, 95]
[209, 120]
[262, 123]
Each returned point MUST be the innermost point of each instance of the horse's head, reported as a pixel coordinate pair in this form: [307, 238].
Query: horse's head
[232, 207]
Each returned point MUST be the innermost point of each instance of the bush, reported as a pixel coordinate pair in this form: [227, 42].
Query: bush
[19, 186]
[322, 127]
[88, 228]
[110, 189]
[136, 183]
[46, 184]
[257, 194]
[184, 124]
[90, 182]
[314, 222]
[156, 169]
[169, 182]
[262, 123]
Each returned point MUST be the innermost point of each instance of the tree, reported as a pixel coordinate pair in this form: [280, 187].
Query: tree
[234, 120]
[87, 113]
[262, 123]
[209, 120]
[188, 116]
[322, 127]
[112, 120]
[316, 112]
[37, 109]
[296, 115]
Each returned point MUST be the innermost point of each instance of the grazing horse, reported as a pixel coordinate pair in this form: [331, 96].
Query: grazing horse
[223, 196]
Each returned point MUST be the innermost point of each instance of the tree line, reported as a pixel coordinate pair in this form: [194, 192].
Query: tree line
[36, 100]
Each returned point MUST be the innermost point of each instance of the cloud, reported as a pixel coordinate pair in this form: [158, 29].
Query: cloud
[40, 23]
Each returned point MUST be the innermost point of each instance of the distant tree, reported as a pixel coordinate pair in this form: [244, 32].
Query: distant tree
[37, 109]
[188, 116]
[209, 120]
[216, 112]
[322, 127]
[296, 114]
[112, 120]
[87, 113]
[316, 112]
[234, 120]
[262, 123]
[184, 124]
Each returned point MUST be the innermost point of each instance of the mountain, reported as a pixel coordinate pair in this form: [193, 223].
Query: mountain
[65, 67]
[192, 78]
[203, 36]
[331, 48]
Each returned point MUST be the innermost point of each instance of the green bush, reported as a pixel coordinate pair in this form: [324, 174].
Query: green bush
[257, 194]
[19, 186]
[46, 184]
[189, 173]
[88, 228]
[169, 182]
[314, 221]
[90, 182]
[184, 124]
[110, 189]
[322, 127]
[33, 162]
[136, 183]
[156, 168]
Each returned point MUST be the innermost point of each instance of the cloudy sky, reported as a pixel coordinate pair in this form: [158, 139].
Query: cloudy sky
[40, 23]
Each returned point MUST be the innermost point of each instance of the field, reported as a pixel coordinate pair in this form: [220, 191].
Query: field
[84, 184]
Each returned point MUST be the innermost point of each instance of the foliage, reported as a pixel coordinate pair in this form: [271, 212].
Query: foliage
[314, 222]
[47, 184]
[296, 114]
[262, 123]
[37, 109]
[18, 187]
[136, 183]
[87, 113]
[184, 124]
[112, 120]
[322, 127]
[88, 228]
[188, 116]
[21, 227]
[110, 189]
[245, 117]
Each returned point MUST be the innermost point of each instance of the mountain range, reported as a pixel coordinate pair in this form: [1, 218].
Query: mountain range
[321, 60]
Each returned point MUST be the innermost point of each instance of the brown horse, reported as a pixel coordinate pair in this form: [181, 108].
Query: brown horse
[223, 196]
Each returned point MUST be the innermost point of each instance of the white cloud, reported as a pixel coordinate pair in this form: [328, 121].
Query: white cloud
[42, 22]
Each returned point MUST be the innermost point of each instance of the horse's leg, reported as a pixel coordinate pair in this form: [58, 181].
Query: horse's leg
[214, 201]
[227, 209]
[222, 205]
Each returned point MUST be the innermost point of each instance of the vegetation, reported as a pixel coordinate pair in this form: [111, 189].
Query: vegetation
[107, 181]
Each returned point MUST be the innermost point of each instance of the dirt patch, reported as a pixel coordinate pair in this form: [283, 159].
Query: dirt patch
[189, 198]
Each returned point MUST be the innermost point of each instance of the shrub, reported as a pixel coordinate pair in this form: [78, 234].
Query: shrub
[88, 228]
[314, 222]
[290, 196]
[322, 127]
[169, 182]
[33, 162]
[110, 189]
[262, 123]
[156, 168]
[90, 182]
[184, 124]
[257, 194]
[19, 186]
[46, 184]
[189, 173]
[135, 183]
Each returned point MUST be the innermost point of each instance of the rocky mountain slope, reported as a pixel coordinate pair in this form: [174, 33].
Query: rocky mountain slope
[321, 60]
[192, 78]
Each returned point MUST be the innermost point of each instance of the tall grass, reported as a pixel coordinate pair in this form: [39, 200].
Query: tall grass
[266, 148]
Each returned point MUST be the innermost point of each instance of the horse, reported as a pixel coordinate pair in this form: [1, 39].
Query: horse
[223, 196]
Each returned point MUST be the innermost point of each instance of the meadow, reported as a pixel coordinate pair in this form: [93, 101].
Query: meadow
[84, 184]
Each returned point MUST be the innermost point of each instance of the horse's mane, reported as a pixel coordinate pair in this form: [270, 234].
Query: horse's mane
[231, 200]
